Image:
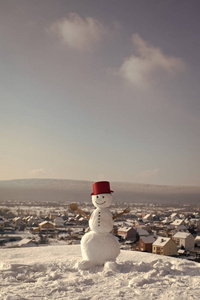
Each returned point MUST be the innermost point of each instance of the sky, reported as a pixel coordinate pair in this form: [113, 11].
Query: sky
[100, 90]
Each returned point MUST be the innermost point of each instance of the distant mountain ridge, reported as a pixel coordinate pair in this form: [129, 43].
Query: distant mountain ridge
[80, 190]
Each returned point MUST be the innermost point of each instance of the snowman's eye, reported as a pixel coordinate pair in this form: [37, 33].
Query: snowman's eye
[97, 196]
[102, 196]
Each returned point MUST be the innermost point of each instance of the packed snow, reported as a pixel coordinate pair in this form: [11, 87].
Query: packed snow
[50, 272]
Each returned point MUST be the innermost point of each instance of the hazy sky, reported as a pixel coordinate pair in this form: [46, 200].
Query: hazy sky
[100, 90]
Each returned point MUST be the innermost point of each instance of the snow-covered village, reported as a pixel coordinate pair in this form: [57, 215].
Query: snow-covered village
[148, 248]
[154, 228]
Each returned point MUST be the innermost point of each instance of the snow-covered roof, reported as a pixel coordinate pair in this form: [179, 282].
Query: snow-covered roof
[24, 242]
[161, 241]
[177, 222]
[125, 229]
[182, 235]
[148, 239]
[173, 215]
[45, 222]
[16, 219]
[181, 251]
[166, 220]
[141, 231]
[147, 216]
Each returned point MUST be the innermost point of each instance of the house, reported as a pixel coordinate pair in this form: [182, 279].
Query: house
[1, 224]
[181, 228]
[17, 221]
[177, 222]
[26, 243]
[184, 239]
[10, 215]
[145, 243]
[174, 216]
[197, 241]
[141, 232]
[127, 233]
[53, 215]
[166, 221]
[147, 218]
[171, 233]
[59, 222]
[46, 226]
[164, 246]
[30, 220]
[71, 222]
[195, 222]
[81, 220]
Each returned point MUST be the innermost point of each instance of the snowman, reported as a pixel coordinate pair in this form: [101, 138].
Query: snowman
[99, 246]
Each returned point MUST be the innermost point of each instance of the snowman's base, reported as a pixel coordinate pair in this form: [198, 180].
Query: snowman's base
[99, 248]
[110, 266]
[86, 265]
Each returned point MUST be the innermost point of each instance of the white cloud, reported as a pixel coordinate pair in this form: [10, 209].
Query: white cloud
[78, 33]
[37, 172]
[139, 68]
[146, 176]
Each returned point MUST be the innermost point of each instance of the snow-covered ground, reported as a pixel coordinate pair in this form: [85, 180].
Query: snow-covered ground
[50, 273]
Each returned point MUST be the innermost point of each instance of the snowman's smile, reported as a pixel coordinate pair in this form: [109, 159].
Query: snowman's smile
[100, 203]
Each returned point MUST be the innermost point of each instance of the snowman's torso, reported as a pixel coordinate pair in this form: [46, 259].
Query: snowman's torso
[101, 220]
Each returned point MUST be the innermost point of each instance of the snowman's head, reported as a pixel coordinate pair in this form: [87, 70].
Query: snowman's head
[102, 200]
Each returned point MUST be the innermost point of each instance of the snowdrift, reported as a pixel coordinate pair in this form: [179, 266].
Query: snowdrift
[50, 273]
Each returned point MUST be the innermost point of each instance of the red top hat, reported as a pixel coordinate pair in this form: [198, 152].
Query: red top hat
[101, 187]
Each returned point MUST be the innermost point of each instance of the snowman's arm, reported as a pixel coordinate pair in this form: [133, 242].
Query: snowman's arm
[127, 210]
[74, 207]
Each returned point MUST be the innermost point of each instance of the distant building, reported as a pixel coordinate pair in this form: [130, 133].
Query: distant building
[27, 243]
[46, 225]
[59, 222]
[147, 218]
[141, 231]
[10, 215]
[174, 216]
[164, 246]
[177, 222]
[17, 221]
[127, 233]
[145, 243]
[53, 215]
[184, 239]
[195, 222]
[1, 224]
[197, 240]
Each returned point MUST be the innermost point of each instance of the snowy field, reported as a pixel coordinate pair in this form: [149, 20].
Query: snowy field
[50, 273]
